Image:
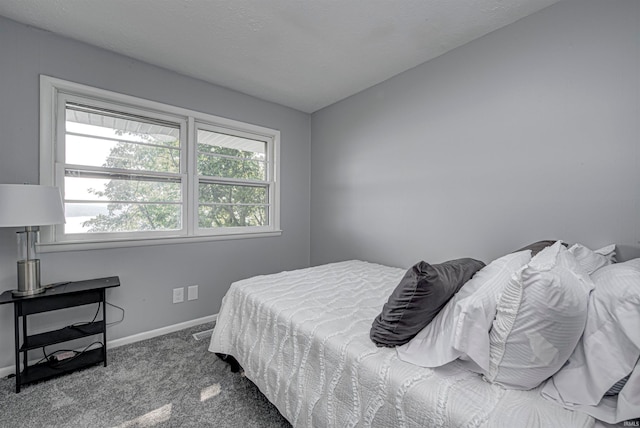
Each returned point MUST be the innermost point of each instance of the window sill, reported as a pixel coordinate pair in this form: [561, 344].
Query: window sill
[55, 247]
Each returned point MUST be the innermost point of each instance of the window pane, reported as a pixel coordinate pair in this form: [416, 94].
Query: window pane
[102, 189]
[112, 217]
[116, 140]
[82, 150]
[230, 167]
[221, 155]
[215, 142]
[110, 124]
[232, 216]
[77, 214]
[232, 194]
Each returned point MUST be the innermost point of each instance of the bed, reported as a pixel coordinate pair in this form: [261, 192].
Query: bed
[303, 338]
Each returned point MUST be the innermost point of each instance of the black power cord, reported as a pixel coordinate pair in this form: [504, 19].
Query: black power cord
[54, 363]
[109, 324]
[78, 326]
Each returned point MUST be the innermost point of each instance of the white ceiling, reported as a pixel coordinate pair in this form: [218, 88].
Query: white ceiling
[305, 54]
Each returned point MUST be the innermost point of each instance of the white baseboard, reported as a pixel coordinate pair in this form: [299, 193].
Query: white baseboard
[6, 371]
[159, 331]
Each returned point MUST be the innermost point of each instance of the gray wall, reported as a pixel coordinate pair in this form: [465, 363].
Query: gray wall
[148, 274]
[528, 133]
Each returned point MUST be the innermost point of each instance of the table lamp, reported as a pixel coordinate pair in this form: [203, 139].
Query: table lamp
[29, 206]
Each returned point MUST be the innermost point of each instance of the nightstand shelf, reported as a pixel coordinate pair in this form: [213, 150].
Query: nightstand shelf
[62, 335]
[47, 370]
[65, 295]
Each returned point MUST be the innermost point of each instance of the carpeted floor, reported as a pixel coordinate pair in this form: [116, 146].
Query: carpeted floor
[167, 381]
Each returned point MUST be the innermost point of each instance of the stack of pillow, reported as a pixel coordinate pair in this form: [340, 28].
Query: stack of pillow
[543, 313]
[602, 376]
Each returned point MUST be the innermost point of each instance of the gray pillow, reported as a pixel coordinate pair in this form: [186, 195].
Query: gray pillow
[536, 247]
[418, 298]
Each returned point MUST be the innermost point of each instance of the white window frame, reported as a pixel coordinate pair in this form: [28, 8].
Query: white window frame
[270, 179]
[53, 96]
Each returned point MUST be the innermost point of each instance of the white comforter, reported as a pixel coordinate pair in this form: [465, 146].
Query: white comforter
[303, 338]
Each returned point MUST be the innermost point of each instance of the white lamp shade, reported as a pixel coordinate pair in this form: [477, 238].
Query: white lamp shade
[30, 205]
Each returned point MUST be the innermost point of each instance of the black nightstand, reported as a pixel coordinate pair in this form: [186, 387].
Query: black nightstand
[67, 295]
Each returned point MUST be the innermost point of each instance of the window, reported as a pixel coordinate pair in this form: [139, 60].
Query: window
[132, 170]
[122, 173]
[233, 181]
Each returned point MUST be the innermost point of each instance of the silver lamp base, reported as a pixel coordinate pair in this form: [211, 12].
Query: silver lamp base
[28, 278]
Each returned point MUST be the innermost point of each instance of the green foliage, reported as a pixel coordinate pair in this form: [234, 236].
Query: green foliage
[222, 201]
[221, 205]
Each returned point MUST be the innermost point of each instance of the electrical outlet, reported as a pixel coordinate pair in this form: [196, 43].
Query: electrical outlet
[178, 295]
[192, 292]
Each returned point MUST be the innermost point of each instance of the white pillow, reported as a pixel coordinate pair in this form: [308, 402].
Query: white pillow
[609, 252]
[540, 318]
[461, 328]
[608, 351]
[592, 260]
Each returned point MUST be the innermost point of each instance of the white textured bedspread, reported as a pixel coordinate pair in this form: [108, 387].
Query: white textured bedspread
[303, 338]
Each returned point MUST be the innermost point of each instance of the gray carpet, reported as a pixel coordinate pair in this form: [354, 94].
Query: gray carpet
[167, 381]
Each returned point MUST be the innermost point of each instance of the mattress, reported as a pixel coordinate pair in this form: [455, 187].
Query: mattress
[303, 338]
